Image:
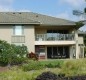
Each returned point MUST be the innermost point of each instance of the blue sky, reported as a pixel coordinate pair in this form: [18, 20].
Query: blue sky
[57, 8]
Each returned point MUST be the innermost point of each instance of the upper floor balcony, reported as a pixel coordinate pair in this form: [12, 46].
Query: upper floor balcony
[54, 37]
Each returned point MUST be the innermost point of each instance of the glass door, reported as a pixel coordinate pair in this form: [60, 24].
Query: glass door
[49, 52]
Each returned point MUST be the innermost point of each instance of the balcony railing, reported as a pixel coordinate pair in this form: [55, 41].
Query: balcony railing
[18, 39]
[54, 37]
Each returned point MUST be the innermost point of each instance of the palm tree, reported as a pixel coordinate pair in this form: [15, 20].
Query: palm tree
[80, 13]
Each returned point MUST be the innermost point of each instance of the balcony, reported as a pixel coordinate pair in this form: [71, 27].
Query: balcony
[54, 37]
[18, 39]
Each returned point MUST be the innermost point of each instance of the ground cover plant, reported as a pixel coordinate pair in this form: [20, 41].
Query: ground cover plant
[67, 68]
[37, 65]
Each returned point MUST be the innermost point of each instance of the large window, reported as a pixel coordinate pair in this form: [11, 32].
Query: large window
[56, 34]
[18, 30]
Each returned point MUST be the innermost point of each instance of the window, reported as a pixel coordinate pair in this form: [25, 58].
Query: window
[40, 50]
[18, 30]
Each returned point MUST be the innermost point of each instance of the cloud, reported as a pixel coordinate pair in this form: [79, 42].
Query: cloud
[73, 3]
[63, 15]
[6, 5]
[68, 16]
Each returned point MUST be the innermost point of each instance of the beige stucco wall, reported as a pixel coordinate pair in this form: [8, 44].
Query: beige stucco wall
[40, 31]
[80, 40]
[29, 33]
[5, 33]
[81, 51]
[43, 30]
[71, 52]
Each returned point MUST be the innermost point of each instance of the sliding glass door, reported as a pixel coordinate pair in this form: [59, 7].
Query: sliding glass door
[58, 52]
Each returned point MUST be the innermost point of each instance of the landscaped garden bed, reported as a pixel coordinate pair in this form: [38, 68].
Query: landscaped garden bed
[65, 69]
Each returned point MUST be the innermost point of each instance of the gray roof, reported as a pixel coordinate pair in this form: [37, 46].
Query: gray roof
[31, 18]
[12, 18]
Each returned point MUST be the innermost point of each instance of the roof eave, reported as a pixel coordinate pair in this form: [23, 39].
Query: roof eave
[56, 25]
[21, 23]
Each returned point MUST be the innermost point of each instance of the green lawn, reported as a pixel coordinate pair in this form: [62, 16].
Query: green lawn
[68, 67]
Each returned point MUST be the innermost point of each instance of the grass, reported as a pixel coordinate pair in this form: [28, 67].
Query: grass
[74, 67]
[53, 62]
[68, 67]
[21, 75]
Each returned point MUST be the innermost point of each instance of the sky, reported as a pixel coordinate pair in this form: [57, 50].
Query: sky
[57, 8]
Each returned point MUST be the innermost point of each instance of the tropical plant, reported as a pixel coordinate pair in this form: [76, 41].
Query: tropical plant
[12, 54]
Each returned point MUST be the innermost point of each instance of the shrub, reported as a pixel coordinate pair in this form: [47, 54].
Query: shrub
[12, 54]
[20, 53]
[52, 64]
[5, 53]
[32, 56]
[32, 65]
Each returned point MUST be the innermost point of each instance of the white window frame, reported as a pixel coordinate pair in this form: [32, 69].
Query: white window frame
[18, 30]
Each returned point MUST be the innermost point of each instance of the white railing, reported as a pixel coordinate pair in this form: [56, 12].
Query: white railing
[54, 37]
[18, 39]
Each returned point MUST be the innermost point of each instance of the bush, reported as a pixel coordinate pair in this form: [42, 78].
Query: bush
[20, 53]
[33, 56]
[37, 65]
[12, 54]
[32, 65]
[52, 64]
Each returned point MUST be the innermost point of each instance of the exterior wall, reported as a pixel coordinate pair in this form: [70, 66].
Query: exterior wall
[77, 48]
[43, 30]
[81, 51]
[81, 46]
[40, 31]
[5, 33]
[29, 33]
[80, 40]
[29, 38]
[72, 52]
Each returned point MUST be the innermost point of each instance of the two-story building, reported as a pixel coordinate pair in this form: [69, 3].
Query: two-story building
[47, 36]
